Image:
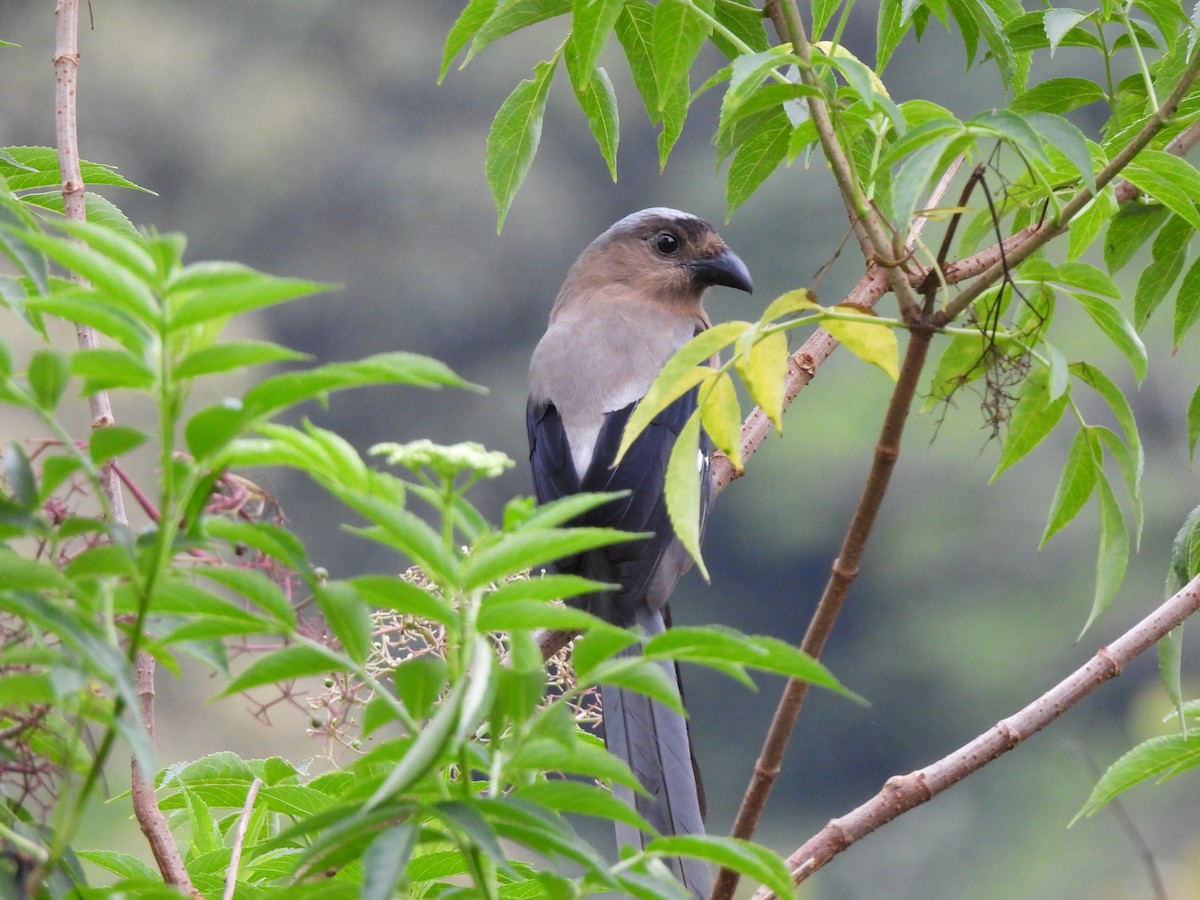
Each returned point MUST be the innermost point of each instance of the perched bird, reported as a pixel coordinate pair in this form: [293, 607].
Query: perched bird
[631, 300]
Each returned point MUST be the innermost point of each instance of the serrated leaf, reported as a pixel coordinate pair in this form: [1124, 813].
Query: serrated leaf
[635, 31]
[1172, 181]
[721, 417]
[913, 178]
[598, 100]
[208, 291]
[1170, 671]
[1075, 484]
[1058, 95]
[1130, 229]
[678, 35]
[1167, 257]
[285, 665]
[763, 369]
[759, 155]
[1119, 330]
[48, 376]
[37, 167]
[751, 859]
[423, 752]
[1067, 139]
[1193, 424]
[1057, 22]
[591, 23]
[235, 355]
[513, 15]
[875, 344]
[465, 27]
[1033, 417]
[529, 548]
[514, 136]
[1187, 304]
[113, 441]
[99, 210]
[1159, 757]
[890, 28]
[682, 490]
[114, 280]
[1113, 557]
[1088, 222]
[87, 307]
[385, 860]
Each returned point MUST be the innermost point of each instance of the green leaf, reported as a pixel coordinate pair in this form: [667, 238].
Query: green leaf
[466, 26]
[1134, 223]
[88, 307]
[890, 28]
[113, 279]
[1061, 135]
[721, 417]
[1193, 424]
[514, 136]
[1160, 757]
[48, 377]
[424, 752]
[763, 369]
[635, 31]
[348, 617]
[746, 857]
[37, 167]
[1167, 257]
[678, 35]
[1172, 181]
[1118, 329]
[759, 155]
[254, 586]
[1187, 304]
[645, 676]
[1075, 485]
[513, 15]
[120, 864]
[520, 615]
[207, 291]
[105, 369]
[213, 427]
[99, 210]
[682, 372]
[385, 860]
[1088, 222]
[591, 23]
[282, 391]
[1033, 417]
[113, 441]
[234, 355]
[598, 100]
[18, 472]
[683, 490]
[1114, 552]
[746, 22]
[1058, 95]
[581, 799]
[285, 665]
[404, 597]
[874, 344]
[1058, 22]
[530, 548]
[1170, 671]
[913, 178]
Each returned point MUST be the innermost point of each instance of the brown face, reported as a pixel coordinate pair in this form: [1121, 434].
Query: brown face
[670, 259]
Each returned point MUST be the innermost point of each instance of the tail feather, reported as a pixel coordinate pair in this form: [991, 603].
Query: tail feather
[653, 740]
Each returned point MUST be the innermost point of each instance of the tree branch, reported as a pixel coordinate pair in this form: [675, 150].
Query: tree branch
[904, 792]
[66, 66]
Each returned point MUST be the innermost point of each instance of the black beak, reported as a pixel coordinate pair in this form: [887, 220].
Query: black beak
[725, 268]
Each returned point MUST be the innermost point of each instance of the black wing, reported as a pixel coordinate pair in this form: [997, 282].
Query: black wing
[642, 472]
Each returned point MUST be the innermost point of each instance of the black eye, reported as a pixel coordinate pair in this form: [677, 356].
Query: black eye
[666, 243]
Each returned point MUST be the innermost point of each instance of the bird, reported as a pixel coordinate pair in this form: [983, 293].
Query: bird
[628, 303]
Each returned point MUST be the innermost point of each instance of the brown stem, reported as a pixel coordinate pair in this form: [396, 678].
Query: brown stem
[66, 68]
[842, 574]
[904, 792]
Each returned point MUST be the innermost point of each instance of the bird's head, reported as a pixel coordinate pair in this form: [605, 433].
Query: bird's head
[663, 255]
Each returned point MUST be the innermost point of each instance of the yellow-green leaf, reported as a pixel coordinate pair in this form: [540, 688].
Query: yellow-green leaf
[788, 303]
[722, 417]
[683, 490]
[875, 344]
[763, 369]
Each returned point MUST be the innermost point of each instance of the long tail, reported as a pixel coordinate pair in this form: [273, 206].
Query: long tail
[653, 739]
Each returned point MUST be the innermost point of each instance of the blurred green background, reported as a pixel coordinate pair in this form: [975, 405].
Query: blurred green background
[309, 138]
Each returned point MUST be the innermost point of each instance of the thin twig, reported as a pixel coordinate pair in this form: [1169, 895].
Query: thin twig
[66, 66]
[239, 840]
[904, 792]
